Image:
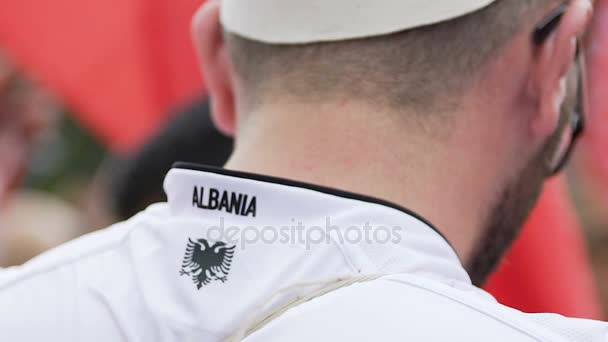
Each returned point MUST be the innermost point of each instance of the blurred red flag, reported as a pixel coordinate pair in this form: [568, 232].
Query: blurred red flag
[119, 64]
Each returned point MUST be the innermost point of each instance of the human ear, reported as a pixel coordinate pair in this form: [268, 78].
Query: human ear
[208, 39]
[553, 60]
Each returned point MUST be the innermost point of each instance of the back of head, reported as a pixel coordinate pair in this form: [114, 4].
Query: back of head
[311, 89]
[424, 68]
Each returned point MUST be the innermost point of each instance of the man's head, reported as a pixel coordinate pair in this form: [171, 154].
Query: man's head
[464, 73]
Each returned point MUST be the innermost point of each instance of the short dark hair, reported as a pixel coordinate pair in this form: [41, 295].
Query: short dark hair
[419, 68]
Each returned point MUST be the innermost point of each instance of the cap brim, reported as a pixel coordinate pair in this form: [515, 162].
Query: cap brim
[309, 21]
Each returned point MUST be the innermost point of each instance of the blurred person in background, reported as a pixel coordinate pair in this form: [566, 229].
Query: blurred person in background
[137, 181]
[27, 112]
[151, 240]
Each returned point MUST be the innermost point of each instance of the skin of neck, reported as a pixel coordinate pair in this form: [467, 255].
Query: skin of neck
[447, 172]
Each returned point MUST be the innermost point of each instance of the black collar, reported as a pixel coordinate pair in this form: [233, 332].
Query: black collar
[303, 185]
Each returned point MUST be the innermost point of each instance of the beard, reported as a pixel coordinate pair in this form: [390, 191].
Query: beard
[505, 220]
[514, 204]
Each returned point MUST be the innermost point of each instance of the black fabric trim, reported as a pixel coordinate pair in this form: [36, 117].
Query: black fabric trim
[298, 184]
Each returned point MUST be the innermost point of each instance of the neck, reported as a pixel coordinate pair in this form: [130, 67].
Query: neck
[350, 147]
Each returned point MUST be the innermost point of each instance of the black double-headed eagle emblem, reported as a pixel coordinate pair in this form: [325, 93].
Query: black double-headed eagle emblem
[205, 263]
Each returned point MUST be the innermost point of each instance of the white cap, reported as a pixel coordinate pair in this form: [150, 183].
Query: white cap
[309, 21]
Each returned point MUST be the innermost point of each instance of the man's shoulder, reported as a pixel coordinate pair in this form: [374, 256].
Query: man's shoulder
[85, 249]
[54, 287]
[403, 307]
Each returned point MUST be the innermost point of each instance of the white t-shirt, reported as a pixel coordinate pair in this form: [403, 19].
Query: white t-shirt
[229, 247]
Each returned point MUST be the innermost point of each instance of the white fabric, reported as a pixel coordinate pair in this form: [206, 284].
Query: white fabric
[124, 283]
[298, 21]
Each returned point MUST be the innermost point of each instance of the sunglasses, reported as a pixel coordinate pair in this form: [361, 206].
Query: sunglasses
[576, 125]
